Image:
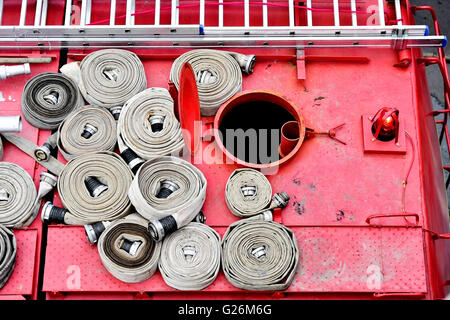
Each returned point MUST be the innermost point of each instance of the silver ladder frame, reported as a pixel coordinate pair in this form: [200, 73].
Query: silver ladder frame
[43, 36]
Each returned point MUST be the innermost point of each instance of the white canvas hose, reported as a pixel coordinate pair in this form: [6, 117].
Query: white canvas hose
[218, 76]
[8, 252]
[147, 125]
[89, 129]
[108, 77]
[247, 192]
[127, 251]
[169, 192]
[190, 257]
[17, 196]
[259, 255]
[93, 187]
[48, 98]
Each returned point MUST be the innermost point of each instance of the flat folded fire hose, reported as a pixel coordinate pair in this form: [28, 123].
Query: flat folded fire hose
[190, 257]
[127, 251]
[8, 251]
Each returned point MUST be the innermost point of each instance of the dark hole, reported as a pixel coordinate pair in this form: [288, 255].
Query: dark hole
[255, 115]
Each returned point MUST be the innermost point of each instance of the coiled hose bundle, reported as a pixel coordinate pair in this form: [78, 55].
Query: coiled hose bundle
[127, 251]
[259, 255]
[87, 130]
[147, 125]
[218, 76]
[247, 192]
[93, 187]
[169, 192]
[48, 98]
[8, 252]
[17, 196]
[190, 257]
[108, 77]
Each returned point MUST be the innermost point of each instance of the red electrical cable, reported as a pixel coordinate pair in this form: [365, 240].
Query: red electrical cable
[235, 3]
[405, 180]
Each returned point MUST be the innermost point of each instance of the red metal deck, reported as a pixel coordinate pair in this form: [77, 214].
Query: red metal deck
[334, 188]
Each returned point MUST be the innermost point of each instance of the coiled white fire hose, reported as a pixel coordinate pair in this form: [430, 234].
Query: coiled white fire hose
[48, 98]
[108, 77]
[259, 255]
[17, 195]
[87, 130]
[147, 125]
[218, 75]
[169, 192]
[248, 192]
[8, 252]
[190, 257]
[127, 251]
[93, 187]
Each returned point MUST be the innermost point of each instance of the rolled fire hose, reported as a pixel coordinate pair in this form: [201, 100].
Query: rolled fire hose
[19, 202]
[218, 75]
[169, 192]
[87, 130]
[48, 98]
[109, 77]
[127, 251]
[147, 125]
[248, 192]
[190, 257]
[93, 187]
[8, 251]
[259, 255]
[17, 195]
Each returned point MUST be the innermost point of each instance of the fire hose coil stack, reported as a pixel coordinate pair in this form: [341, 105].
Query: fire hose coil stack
[169, 192]
[109, 77]
[8, 251]
[147, 125]
[218, 75]
[127, 251]
[48, 98]
[259, 255]
[17, 196]
[247, 192]
[93, 187]
[190, 257]
[87, 130]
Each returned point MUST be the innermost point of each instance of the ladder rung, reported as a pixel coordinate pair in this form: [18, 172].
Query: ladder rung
[336, 12]
[1, 11]
[112, 13]
[68, 15]
[131, 8]
[398, 12]
[353, 8]
[23, 13]
[291, 13]
[157, 11]
[381, 12]
[309, 13]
